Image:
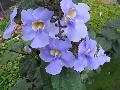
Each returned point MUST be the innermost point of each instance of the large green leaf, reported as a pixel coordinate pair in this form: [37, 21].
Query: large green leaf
[105, 44]
[116, 49]
[8, 56]
[20, 85]
[114, 23]
[110, 33]
[68, 80]
[37, 78]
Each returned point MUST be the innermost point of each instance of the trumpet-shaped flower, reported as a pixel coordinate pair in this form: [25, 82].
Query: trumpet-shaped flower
[72, 11]
[88, 56]
[58, 55]
[35, 26]
[86, 52]
[75, 17]
[9, 30]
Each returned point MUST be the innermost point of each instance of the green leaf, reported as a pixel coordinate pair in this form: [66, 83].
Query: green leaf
[25, 4]
[110, 33]
[77, 1]
[116, 49]
[36, 76]
[92, 34]
[114, 23]
[27, 66]
[20, 85]
[8, 56]
[105, 44]
[67, 80]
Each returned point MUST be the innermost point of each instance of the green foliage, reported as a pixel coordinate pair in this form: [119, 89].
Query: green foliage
[106, 44]
[108, 78]
[9, 74]
[35, 76]
[68, 80]
[9, 59]
[25, 4]
[11, 49]
[109, 38]
[3, 24]
[20, 85]
[101, 14]
[77, 1]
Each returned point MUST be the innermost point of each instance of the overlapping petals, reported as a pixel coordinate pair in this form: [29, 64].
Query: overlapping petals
[76, 32]
[75, 17]
[35, 26]
[54, 39]
[88, 56]
[73, 11]
[58, 55]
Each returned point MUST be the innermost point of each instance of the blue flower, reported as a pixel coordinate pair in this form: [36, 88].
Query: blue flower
[58, 55]
[9, 30]
[75, 17]
[89, 57]
[35, 26]
[86, 52]
[73, 11]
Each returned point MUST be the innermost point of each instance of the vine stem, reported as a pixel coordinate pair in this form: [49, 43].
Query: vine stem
[3, 12]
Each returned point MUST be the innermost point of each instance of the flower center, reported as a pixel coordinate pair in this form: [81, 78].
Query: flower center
[86, 52]
[38, 25]
[55, 53]
[71, 14]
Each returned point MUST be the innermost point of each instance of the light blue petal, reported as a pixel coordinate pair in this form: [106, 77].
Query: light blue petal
[52, 29]
[42, 14]
[45, 54]
[92, 64]
[68, 59]
[28, 32]
[9, 30]
[14, 13]
[102, 57]
[82, 12]
[27, 17]
[83, 6]
[92, 44]
[54, 67]
[77, 32]
[66, 5]
[60, 44]
[40, 40]
[82, 48]
[80, 64]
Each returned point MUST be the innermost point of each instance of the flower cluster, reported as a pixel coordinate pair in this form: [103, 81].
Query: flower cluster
[48, 37]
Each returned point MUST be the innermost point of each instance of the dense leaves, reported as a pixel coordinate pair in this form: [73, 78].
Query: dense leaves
[109, 38]
[106, 44]
[68, 80]
[35, 76]
[11, 49]
[20, 85]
